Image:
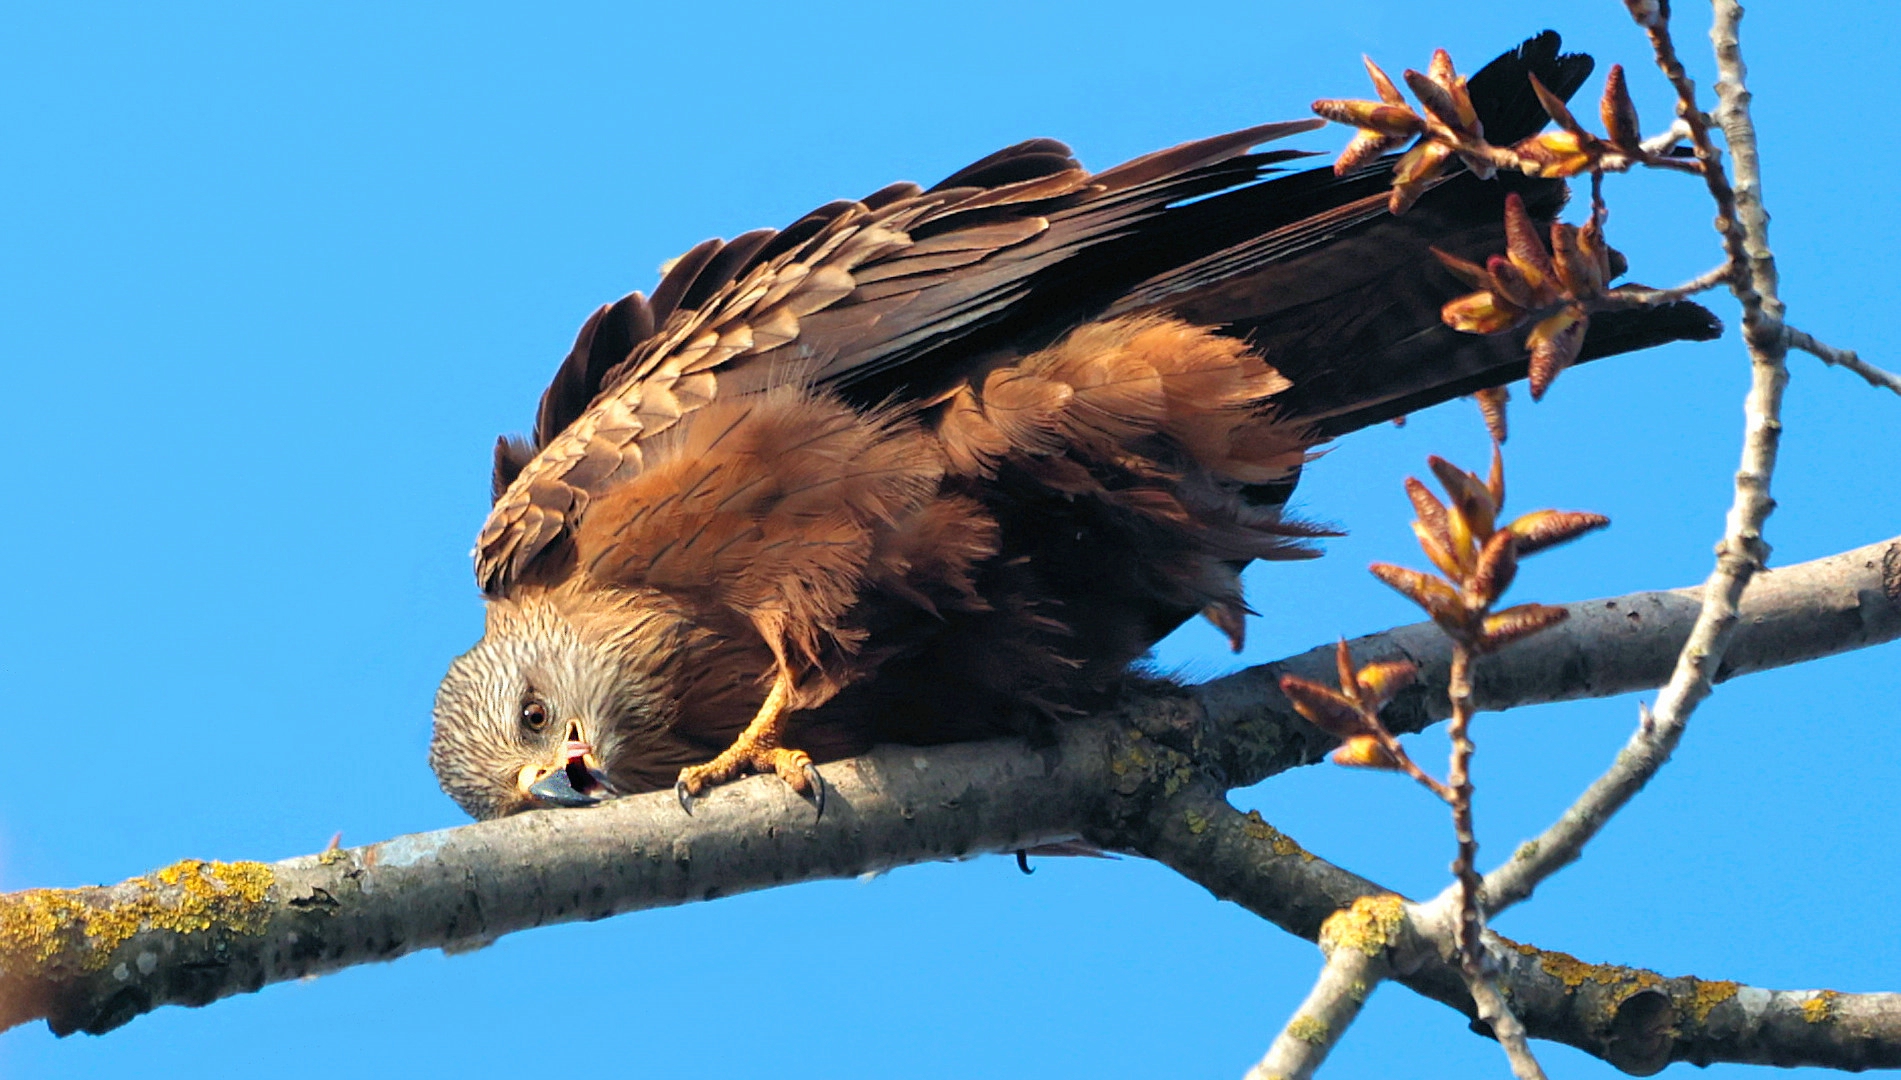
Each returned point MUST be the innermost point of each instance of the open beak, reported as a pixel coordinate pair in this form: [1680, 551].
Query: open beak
[576, 780]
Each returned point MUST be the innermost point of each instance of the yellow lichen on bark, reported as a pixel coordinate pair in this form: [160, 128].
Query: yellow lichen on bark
[1711, 994]
[1573, 973]
[1257, 827]
[39, 926]
[1369, 925]
[1817, 1009]
[1308, 1029]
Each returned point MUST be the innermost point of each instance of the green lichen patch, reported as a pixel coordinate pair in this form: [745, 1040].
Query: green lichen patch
[1369, 925]
[79, 928]
[1140, 762]
[1308, 1029]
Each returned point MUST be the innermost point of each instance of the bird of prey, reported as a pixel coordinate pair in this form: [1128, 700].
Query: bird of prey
[939, 464]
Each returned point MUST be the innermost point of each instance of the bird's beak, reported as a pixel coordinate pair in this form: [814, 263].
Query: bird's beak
[577, 779]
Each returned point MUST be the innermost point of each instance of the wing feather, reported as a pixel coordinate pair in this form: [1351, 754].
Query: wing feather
[910, 293]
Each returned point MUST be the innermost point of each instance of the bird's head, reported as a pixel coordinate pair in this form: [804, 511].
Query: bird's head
[528, 717]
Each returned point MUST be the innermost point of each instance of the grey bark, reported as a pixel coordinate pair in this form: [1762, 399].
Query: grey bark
[92, 959]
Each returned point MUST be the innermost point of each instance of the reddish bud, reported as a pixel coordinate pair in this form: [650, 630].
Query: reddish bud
[1480, 312]
[1518, 622]
[1602, 257]
[1554, 344]
[1379, 682]
[1436, 98]
[1619, 113]
[1523, 246]
[1396, 121]
[1439, 549]
[1554, 106]
[1323, 707]
[1543, 529]
[1497, 565]
[1343, 663]
[1471, 273]
[1365, 146]
[1414, 173]
[1470, 498]
[1510, 283]
[1581, 275]
[1435, 596]
[1557, 154]
[1427, 507]
[1387, 91]
[1492, 406]
[1364, 752]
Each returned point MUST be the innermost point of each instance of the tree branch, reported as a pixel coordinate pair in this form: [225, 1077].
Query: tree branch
[1633, 1018]
[1606, 647]
[1356, 940]
[92, 959]
[1847, 358]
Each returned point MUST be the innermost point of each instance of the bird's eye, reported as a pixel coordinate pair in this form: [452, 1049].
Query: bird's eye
[534, 716]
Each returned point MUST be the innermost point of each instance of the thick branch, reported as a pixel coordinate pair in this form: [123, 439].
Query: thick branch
[1606, 647]
[91, 959]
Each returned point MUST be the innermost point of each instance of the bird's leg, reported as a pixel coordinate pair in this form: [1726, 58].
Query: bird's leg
[758, 749]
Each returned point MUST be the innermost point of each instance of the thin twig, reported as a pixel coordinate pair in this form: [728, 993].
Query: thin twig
[1742, 552]
[1842, 358]
[1663, 141]
[1640, 296]
[1505, 1027]
[1459, 779]
[1652, 16]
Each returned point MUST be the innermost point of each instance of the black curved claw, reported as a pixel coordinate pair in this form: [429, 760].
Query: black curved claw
[818, 788]
[686, 797]
[1023, 862]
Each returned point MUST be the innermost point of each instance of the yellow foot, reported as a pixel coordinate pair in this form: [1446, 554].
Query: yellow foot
[757, 750]
[793, 766]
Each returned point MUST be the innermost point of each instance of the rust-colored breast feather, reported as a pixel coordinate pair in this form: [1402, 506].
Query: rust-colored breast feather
[851, 541]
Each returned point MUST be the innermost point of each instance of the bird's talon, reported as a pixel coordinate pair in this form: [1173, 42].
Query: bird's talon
[686, 797]
[817, 783]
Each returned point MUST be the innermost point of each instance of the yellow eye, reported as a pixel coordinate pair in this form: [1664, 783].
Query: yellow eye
[534, 716]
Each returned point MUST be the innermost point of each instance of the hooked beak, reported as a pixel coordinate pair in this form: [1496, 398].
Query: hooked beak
[576, 780]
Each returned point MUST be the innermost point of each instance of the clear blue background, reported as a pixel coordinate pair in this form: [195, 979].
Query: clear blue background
[274, 276]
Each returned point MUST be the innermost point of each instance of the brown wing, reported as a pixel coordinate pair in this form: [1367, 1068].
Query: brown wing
[851, 290]
[907, 294]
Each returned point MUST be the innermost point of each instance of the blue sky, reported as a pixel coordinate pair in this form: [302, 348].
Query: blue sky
[274, 277]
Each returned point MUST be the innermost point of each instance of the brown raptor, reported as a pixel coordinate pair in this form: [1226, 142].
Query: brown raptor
[938, 464]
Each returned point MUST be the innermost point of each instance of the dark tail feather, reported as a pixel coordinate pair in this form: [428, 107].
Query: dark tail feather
[1611, 333]
[1503, 97]
[1343, 298]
